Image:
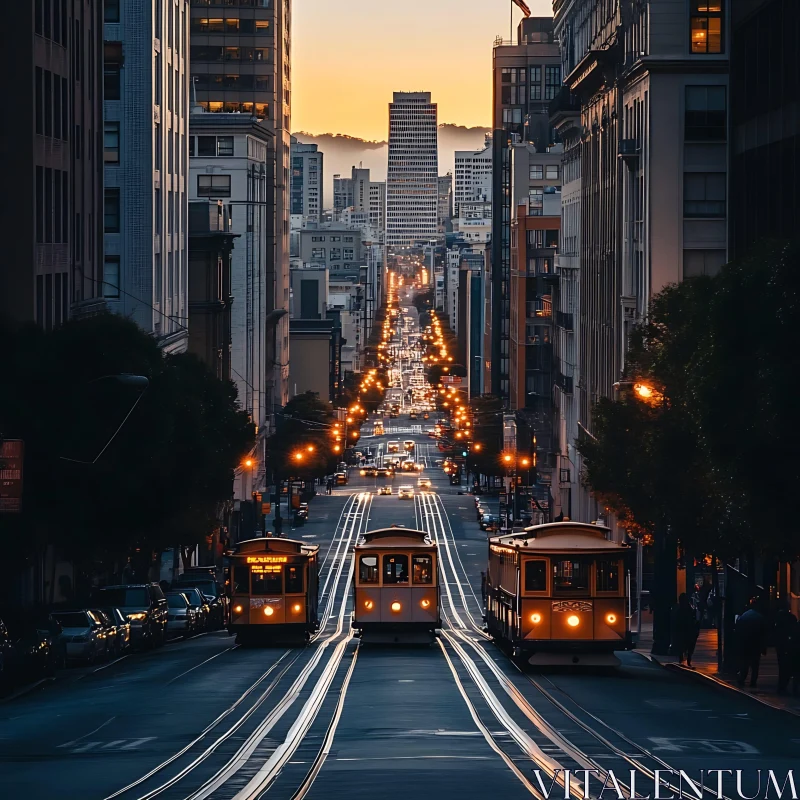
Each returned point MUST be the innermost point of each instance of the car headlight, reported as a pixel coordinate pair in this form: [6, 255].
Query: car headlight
[297, 608]
[269, 611]
[368, 604]
[573, 621]
[396, 606]
[138, 616]
[536, 618]
[238, 609]
[425, 603]
[611, 618]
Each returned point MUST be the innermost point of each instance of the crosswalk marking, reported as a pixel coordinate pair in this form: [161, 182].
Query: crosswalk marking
[116, 744]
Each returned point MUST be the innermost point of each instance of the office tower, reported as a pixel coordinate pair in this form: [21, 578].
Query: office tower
[50, 152]
[412, 176]
[146, 166]
[307, 181]
[240, 62]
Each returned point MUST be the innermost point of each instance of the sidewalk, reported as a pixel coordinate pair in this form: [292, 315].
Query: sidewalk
[705, 666]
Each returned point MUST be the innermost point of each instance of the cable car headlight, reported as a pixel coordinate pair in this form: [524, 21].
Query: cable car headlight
[611, 618]
[368, 604]
[296, 608]
[424, 603]
[269, 611]
[238, 609]
[536, 618]
[396, 606]
[573, 621]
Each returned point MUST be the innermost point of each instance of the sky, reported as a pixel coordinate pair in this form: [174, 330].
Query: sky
[349, 56]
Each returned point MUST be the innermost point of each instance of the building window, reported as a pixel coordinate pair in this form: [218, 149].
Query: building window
[702, 262]
[535, 173]
[552, 81]
[111, 142]
[705, 118]
[111, 81]
[206, 146]
[551, 173]
[706, 26]
[318, 252]
[536, 83]
[225, 145]
[111, 10]
[111, 222]
[39, 100]
[704, 194]
[535, 202]
[214, 185]
[111, 276]
[39, 204]
[336, 254]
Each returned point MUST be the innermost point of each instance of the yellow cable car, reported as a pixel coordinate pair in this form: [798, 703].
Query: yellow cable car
[396, 586]
[556, 594]
[274, 585]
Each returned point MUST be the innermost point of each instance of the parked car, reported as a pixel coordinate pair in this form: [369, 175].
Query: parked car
[490, 522]
[182, 618]
[28, 649]
[83, 635]
[108, 631]
[216, 599]
[120, 621]
[199, 605]
[144, 606]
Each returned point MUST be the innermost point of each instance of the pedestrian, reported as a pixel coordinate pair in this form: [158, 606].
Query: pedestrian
[786, 632]
[750, 630]
[684, 630]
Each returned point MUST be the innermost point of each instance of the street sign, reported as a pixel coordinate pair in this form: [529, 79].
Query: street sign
[12, 452]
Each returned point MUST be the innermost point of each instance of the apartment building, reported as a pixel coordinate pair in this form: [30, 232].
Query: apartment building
[146, 58]
[51, 151]
[307, 181]
[412, 177]
[473, 177]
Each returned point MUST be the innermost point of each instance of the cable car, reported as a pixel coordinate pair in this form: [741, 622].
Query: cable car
[556, 594]
[274, 585]
[396, 587]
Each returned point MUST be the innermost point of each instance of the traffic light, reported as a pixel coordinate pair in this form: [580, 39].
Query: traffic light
[464, 453]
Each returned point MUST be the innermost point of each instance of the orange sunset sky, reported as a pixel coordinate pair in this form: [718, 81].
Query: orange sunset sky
[349, 56]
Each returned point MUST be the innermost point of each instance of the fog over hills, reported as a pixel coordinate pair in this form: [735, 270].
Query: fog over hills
[342, 152]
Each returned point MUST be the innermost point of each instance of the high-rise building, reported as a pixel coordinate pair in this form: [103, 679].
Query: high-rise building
[240, 62]
[527, 75]
[377, 204]
[444, 207]
[473, 177]
[307, 181]
[342, 194]
[412, 176]
[51, 154]
[146, 166]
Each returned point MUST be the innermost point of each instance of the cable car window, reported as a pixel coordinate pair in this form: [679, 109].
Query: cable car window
[241, 580]
[294, 578]
[536, 576]
[395, 569]
[422, 569]
[368, 569]
[267, 579]
[607, 575]
[571, 575]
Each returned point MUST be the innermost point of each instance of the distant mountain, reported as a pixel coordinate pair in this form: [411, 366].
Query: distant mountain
[342, 152]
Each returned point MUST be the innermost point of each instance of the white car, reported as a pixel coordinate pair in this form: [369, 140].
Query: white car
[405, 493]
[82, 634]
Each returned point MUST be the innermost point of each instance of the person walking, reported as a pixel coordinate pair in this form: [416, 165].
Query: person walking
[786, 635]
[684, 630]
[750, 631]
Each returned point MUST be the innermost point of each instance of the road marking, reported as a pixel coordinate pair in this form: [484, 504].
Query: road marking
[85, 735]
[118, 744]
[136, 742]
[704, 745]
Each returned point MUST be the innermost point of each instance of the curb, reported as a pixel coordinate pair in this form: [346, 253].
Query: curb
[717, 682]
[26, 690]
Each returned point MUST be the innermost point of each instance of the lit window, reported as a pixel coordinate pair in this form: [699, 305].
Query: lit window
[706, 26]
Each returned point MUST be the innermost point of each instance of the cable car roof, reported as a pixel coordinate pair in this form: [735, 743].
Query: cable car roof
[396, 536]
[271, 544]
[561, 537]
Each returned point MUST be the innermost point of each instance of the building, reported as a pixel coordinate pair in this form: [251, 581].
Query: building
[337, 247]
[316, 356]
[342, 194]
[230, 159]
[444, 208]
[474, 222]
[240, 63]
[412, 175]
[51, 153]
[764, 142]
[473, 178]
[377, 205]
[146, 167]
[307, 181]
[211, 245]
[309, 292]
[629, 69]
[526, 76]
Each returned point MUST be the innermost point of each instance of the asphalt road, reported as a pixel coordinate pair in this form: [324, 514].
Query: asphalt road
[206, 719]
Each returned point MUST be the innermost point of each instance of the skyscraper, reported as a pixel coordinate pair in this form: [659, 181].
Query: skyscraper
[412, 176]
[307, 181]
[240, 61]
[146, 167]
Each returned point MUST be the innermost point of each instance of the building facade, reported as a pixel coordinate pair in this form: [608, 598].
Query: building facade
[52, 152]
[241, 63]
[412, 176]
[146, 168]
[307, 181]
[337, 247]
[444, 207]
[473, 177]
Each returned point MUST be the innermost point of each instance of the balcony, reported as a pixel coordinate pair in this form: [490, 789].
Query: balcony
[539, 309]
